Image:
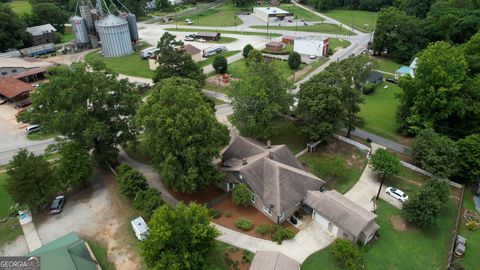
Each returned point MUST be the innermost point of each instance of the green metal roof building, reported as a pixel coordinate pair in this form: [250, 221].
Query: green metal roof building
[68, 252]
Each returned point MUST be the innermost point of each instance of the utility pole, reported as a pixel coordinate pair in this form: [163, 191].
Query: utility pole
[176, 22]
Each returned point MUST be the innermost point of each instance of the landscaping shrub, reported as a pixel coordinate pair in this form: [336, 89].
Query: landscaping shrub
[220, 64]
[244, 223]
[368, 88]
[281, 234]
[147, 201]
[214, 213]
[266, 229]
[246, 50]
[241, 195]
[294, 60]
[130, 181]
[348, 254]
[254, 56]
[228, 213]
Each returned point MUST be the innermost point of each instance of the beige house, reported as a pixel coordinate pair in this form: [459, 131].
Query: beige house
[273, 260]
[193, 51]
[277, 180]
[342, 217]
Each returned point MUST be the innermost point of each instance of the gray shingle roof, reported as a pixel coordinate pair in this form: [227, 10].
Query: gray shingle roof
[342, 211]
[273, 260]
[40, 29]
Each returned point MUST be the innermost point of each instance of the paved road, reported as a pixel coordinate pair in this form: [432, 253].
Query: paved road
[381, 141]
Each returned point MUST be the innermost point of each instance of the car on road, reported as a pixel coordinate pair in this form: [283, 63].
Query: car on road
[189, 38]
[57, 205]
[391, 80]
[33, 128]
[397, 194]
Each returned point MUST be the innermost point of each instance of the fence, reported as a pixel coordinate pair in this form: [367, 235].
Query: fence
[352, 142]
[455, 229]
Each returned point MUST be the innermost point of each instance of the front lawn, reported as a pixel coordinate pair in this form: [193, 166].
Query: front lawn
[225, 15]
[301, 13]
[470, 259]
[239, 69]
[209, 61]
[400, 247]
[337, 163]
[10, 229]
[216, 258]
[362, 20]
[131, 65]
[21, 7]
[379, 110]
[326, 28]
[338, 43]
[246, 33]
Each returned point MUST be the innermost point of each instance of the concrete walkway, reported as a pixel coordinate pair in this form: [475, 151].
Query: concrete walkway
[366, 188]
[29, 230]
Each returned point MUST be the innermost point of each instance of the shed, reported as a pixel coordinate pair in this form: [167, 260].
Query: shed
[402, 71]
[288, 39]
[42, 34]
[193, 51]
[13, 89]
[274, 46]
[208, 35]
[273, 260]
[374, 77]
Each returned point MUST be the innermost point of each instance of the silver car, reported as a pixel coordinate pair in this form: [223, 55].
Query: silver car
[57, 205]
[397, 194]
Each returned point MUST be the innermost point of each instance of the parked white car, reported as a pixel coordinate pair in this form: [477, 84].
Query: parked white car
[397, 194]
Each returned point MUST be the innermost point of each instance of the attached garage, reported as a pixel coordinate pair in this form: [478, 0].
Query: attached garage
[320, 220]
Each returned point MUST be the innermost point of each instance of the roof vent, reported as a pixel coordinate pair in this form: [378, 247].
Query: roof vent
[269, 144]
[244, 161]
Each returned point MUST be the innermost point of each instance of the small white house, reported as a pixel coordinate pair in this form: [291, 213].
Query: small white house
[140, 228]
[265, 13]
[311, 46]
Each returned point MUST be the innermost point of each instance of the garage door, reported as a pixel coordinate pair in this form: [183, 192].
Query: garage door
[320, 220]
[334, 230]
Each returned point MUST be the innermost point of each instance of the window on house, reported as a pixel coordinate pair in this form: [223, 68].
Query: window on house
[230, 186]
[14, 71]
[252, 198]
[281, 216]
[4, 73]
[267, 210]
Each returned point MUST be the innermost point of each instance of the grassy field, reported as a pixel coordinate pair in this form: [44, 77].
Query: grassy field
[246, 33]
[470, 259]
[379, 111]
[337, 43]
[209, 60]
[387, 65]
[20, 7]
[225, 15]
[412, 248]
[68, 35]
[100, 253]
[131, 65]
[301, 13]
[362, 20]
[11, 229]
[239, 69]
[326, 28]
[39, 136]
[337, 163]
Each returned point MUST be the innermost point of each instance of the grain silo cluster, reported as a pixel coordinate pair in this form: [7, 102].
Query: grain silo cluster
[116, 34]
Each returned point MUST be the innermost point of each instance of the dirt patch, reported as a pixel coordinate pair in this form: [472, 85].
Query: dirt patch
[400, 224]
[249, 212]
[202, 197]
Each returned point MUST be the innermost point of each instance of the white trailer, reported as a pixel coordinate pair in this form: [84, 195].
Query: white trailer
[213, 50]
[148, 52]
[140, 228]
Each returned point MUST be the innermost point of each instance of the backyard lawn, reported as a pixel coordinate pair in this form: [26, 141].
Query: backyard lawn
[225, 15]
[337, 163]
[288, 133]
[470, 259]
[209, 61]
[379, 110]
[239, 69]
[131, 65]
[11, 229]
[20, 7]
[246, 33]
[387, 65]
[362, 20]
[402, 246]
[326, 28]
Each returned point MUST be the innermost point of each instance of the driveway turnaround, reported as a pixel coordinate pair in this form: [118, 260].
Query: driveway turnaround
[366, 188]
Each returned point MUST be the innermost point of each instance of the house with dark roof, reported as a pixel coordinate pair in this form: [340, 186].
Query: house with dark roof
[273, 260]
[374, 77]
[68, 252]
[341, 217]
[277, 180]
[42, 34]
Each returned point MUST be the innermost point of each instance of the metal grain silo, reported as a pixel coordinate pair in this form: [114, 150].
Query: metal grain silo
[114, 36]
[132, 26]
[79, 29]
[87, 15]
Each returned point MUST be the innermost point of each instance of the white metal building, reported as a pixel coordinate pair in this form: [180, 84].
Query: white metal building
[266, 13]
[317, 46]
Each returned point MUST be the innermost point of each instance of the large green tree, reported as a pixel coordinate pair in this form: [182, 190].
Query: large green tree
[173, 61]
[182, 134]
[220, 64]
[469, 163]
[31, 180]
[259, 99]
[384, 164]
[179, 238]
[472, 51]
[75, 166]
[294, 60]
[87, 103]
[12, 30]
[441, 96]
[43, 13]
